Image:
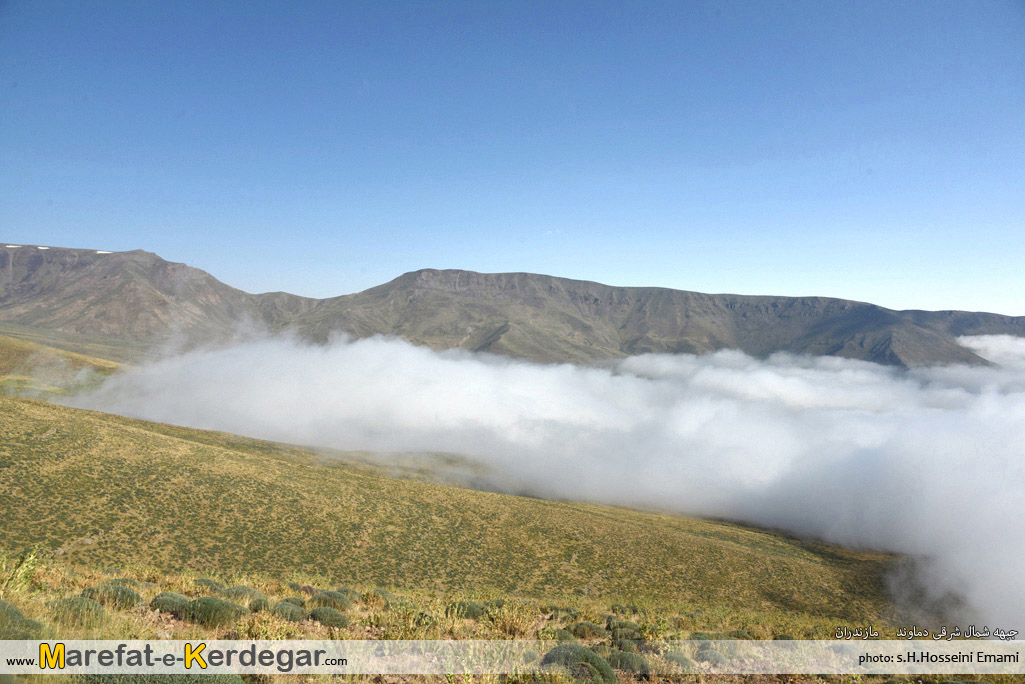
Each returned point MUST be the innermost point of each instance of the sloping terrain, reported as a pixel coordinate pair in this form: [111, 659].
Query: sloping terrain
[101, 490]
[26, 365]
[121, 305]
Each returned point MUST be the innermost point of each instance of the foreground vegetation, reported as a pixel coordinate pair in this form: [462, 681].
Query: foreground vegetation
[118, 528]
[47, 598]
[97, 490]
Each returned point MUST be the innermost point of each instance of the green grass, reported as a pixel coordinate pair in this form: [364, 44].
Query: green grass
[107, 350]
[96, 491]
[29, 367]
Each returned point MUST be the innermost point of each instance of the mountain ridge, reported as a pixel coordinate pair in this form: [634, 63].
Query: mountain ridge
[136, 300]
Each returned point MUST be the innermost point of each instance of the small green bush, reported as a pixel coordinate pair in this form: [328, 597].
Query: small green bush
[586, 630]
[784, 637]
[213, 612]
[710, 656]
[619, 609]
[614, 624]
[681, 661]
[709, 636]
[113, 595]
[494, 604]
[630, 662]
[627, 645]
[295, 601]
[465, 609]
[289, 611]
[207, 584]
[739, 634]
[557, 634]
[240, 592]
[9, 611]
[566, 612]
[123, 582]
[581, 662]
[308, 589]
[329, 617]
[77, 610]
[378, 597]
[14, 625]
[626, 634]
[259, 605]
[423, 619]
[169, 602]
[331, 599]
[350, 594]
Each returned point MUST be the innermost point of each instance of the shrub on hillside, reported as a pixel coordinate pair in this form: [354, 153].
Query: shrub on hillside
[619, 609]
[563, 612]
[465, 609]
[114, 595]
[240, 592]
[209, 585]
[739, 634]
[630, 662]
[681, 661]
[77, 610]
[169, 602]
[494, 604]
[307, 589]
[331, 599]
[704, 636]
[626, 634]
[289, 611]
[350, 594]
[329, 617]
[211, 611]
[711, 656]
[123, 582]
[556, 634]
[586, 630]
[378, 598]
[259, 605]
[581, 662]
[295, 601]
[14, 625]
[614, 624]
[627, 645]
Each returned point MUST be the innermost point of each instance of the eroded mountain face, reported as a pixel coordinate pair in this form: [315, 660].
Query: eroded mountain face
[133, 301]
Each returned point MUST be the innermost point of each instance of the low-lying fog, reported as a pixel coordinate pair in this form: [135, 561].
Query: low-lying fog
[929, 462]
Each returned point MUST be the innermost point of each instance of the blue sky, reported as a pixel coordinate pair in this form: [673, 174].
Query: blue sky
[870, 150]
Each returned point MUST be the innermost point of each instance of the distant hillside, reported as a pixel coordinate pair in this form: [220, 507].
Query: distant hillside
[118, 305]
[126, 491]
[25, 365]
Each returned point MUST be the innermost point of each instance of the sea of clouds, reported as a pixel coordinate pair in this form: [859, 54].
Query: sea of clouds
[927, 462]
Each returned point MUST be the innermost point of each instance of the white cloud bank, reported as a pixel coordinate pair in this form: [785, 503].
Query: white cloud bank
[927, 462]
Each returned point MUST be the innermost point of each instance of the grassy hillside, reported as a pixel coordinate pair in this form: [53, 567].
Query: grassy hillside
[26, 365]
[98, 490]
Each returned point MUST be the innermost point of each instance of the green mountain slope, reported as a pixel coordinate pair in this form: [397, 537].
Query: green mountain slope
[25, 365]
[101, 490]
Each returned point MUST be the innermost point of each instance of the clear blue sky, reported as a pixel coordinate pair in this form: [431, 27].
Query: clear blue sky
[871, 150]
